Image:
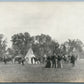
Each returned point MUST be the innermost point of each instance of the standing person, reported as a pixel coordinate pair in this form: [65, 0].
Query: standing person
[23, 60]
[4, 59]
[53, 59]
[45, 58]
[59, 62]
[73, 59]
[48, 63]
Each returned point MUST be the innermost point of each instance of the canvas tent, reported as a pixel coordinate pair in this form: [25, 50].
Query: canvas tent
[29, 55]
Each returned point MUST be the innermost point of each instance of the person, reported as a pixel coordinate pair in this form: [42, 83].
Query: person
[53, 58]
[48, 63]
[4, 59]
[59, 62]
[73, 59]
[65, 58]
[32, 60]
[23, 60]
[44, 58]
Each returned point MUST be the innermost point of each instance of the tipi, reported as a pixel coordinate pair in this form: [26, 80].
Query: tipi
[29, 55]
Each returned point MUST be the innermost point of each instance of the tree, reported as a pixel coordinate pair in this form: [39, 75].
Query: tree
[10, 52]
[3, 45]
[72, 46]
[43, 44]
[21, 43]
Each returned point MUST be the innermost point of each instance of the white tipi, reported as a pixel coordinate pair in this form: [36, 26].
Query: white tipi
[29, 55]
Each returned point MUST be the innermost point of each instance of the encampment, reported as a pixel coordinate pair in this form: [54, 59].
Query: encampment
[29, 55]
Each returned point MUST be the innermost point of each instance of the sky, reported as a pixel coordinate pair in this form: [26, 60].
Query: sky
[60, 20]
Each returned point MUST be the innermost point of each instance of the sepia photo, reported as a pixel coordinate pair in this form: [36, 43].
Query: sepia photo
[41, 41]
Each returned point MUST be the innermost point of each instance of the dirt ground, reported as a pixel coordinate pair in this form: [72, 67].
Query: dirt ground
[37, 73]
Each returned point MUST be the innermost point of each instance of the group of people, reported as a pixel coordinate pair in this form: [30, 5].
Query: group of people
[57, 61]
[54, 61]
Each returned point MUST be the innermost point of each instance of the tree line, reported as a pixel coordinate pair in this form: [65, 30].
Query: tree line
[41, 45]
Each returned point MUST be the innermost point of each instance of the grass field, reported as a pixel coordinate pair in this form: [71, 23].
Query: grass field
[37, 73]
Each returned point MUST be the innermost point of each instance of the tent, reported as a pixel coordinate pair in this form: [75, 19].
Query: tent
[29, 55]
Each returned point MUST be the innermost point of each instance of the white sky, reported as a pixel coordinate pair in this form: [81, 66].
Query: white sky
[61, 20]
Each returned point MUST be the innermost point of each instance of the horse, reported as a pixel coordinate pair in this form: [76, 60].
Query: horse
[7, 59]
[19, 59]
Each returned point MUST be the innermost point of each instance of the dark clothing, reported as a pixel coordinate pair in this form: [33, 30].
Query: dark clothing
[23, 60]
[54, 65]
[48, 63]
[53, 59]
[4, 60]
[59, 58]
[73, 59]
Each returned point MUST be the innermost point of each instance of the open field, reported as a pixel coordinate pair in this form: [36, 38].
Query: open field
[37, 73]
